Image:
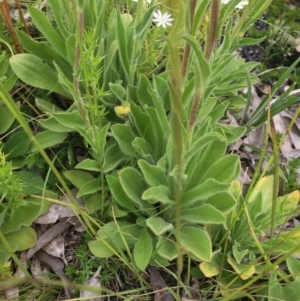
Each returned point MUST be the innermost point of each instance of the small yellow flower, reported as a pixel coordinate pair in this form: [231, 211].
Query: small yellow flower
[123, 109]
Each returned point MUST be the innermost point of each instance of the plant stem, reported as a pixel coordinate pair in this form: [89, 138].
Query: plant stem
[4, 8]
[187, 49]
[214, 18]
[276, 178]
[194, 111]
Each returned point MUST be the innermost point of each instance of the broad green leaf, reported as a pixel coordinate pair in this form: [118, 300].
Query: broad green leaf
[226, 38]
[232, 133]
[224, 170]
[11, 82]
[24, 215]
[118, 90]
[154, 175]
[209, 269]
[44, 52]
[263, 187]
[47, 139]
[144, 125]
[213, 268]
[245, 271]
[71, 120]
[291, 291]
[199, 15]
[70, 49]
[202, 162]
[160, 138]
[64, 80]
[46, 106]
[143, 92]
[203, 191]
[222, 201]
[237, 254]
[16, 145]
[219, 111]
[143, 250]
[88, 135]
[255, 208]
[294, 267]
[162, 117]
[142, 148]
[205, 214]
[206, 108]
[158, 225]
[158, 261]
[42, 202]
[7, 118]
[119, 194]
[196, 241]
[196, 145]
[102, 248]
[123, 134]
[247, 42]
[29, 68]
[122, 45]
[157, 194]
[274, 288]
[20, 240]
[101, 141]
[122, 235]
[78, 178]
[144, 24]
[113, 157]
[45, 27]
[289, 201]
[166, 248]
[88, 164]
[58, 11]
[90, 187]
[131, 181]
[203, 65]
[32, 183]
[53, 125]
[134, 186]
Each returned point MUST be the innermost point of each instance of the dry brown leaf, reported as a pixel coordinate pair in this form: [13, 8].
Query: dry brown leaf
[57, 266]
[13, 292]
[36, 270]
[46, 237]
[193, 293]
[281, 124]
[255, 138]
[94, 282]
[159, 287]
[57, 211]
[56, 248]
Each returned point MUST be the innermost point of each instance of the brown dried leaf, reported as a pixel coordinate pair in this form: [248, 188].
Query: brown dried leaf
[256, 138]
[13, 292]
[57, 266]
[281, 124]
[57, 211]
[56, 248]
[94, 282]
[159, 287]
[37, 271]
[47, 237]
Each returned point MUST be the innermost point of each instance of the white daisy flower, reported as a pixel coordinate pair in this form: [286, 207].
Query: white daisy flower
[242, 4]
[238, 6]
[148, 1]
[163, 20]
